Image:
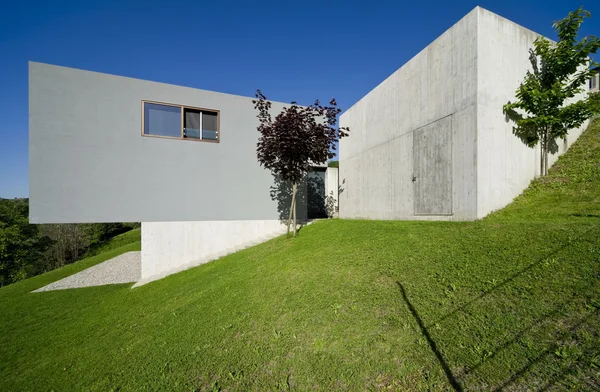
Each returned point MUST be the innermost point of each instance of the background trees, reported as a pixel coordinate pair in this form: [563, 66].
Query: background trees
[559, 72]
[22, 249]
[298, 137]
[27, 250]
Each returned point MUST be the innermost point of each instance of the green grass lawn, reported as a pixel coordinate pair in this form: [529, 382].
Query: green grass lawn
[510, 302]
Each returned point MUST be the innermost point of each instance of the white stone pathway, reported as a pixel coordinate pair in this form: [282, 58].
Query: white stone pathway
[125, 268]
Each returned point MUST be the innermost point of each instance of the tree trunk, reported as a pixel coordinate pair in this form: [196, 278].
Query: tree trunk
[546, 156]
[290, 216]
[295, 187]
[542, 157]
[544, 153]
[292, 211]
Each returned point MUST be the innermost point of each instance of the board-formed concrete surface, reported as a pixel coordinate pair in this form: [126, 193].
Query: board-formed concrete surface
[124, 268]
[431, 141]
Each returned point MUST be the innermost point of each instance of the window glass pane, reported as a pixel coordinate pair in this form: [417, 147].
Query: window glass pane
[162, 120]
[209, 126]
[192, 124]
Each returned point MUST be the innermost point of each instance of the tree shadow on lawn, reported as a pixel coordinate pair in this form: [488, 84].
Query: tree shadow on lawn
[310, 198]
[455, 384]
[564, 350]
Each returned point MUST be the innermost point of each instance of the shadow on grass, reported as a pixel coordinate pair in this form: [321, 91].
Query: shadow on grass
[579, 215]
[514, 276]
[547, 368]
[553, 349]
[455, 384]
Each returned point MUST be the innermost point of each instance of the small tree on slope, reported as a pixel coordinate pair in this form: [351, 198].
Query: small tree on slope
[559, 72]
[295, 139]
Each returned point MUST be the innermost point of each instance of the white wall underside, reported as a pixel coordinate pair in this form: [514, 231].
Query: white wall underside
[170, 247]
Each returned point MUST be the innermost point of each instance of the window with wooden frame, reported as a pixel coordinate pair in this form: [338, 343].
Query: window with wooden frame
[180, 122]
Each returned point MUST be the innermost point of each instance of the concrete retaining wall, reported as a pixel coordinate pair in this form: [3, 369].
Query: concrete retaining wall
[170, 247]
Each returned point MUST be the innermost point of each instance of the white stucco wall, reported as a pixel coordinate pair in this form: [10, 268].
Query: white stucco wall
[169, 247]
[89, 162]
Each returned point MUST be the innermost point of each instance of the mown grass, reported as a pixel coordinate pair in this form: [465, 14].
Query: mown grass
[510, 302]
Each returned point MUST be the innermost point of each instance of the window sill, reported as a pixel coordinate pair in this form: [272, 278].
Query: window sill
[182, 138]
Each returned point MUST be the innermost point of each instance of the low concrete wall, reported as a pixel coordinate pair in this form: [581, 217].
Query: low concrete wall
[332, 185]
[170, 247]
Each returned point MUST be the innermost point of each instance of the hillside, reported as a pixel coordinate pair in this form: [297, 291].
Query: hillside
[510, 302]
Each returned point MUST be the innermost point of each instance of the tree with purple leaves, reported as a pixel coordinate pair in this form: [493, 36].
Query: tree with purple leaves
[298, 137]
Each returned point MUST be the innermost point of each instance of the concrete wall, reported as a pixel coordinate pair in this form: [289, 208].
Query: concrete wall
[431, 142]
[169, 247]
[88, 161]
[594, 87]
[377, 161]
[505, 166]
[332, 185]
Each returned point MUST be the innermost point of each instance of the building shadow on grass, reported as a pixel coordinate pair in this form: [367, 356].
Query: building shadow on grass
[566, 358]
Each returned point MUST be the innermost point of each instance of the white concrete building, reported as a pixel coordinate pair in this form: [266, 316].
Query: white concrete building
[431, 141]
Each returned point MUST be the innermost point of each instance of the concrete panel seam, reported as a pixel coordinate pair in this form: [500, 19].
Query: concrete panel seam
[404, 134]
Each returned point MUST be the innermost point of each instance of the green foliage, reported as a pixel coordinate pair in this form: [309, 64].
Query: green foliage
[559, 72]
[27, 250]
[22, 250]
[510, 302]
[571, 189]
[120, 240]
[334, 164]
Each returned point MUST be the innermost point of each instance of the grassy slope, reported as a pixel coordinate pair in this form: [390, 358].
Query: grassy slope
[507, 302]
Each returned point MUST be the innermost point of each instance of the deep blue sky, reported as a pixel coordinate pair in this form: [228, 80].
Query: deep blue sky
[291, 50]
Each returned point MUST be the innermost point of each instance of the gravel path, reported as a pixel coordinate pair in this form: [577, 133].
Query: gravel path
[125, 268]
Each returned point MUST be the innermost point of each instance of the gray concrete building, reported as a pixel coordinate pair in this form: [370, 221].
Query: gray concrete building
[431, 141]
[106, 148]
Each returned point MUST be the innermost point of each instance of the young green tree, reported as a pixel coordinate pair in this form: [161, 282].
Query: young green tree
[559, 72]
[297, 137]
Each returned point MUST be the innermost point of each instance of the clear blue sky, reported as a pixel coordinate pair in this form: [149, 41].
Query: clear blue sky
[291, 50]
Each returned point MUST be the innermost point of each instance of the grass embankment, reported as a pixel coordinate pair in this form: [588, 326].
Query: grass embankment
[509, 302]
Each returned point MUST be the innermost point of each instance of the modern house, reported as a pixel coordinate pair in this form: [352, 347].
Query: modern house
[182, 161]
[431, 141]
